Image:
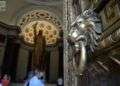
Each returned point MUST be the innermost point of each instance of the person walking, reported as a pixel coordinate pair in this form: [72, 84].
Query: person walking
[60, 82]
[35, 80]
[30, 75]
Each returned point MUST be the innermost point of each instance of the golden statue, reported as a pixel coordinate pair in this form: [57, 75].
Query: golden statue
[38, 59]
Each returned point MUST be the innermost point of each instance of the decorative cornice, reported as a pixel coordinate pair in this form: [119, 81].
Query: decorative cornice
[111, 40]
[110, 30]
[9, 28]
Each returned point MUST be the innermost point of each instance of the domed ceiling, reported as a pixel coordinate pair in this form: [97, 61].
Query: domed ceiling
[46, 21]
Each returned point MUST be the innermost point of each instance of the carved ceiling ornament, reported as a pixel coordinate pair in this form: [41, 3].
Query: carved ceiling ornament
[36, 15]
[50, 25]
[49, 31]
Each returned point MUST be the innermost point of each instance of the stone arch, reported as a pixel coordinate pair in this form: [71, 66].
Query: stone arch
[38, 16]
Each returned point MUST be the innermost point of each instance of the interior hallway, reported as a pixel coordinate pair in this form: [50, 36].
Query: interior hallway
[67, 25]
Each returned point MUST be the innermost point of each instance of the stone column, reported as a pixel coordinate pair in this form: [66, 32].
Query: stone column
[69, 17]
[54, 64]
[65, 32]
[22, 64]
[2, 49]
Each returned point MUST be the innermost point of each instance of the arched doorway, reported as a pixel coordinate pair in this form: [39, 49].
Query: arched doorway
[52, 30]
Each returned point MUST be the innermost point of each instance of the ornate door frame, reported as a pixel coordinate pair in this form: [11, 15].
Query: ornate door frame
[69, 77]
[69, 15]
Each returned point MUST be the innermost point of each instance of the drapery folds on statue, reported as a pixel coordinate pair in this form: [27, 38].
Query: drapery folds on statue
[38, 59]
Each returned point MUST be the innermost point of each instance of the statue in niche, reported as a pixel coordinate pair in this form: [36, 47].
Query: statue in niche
[38, 59]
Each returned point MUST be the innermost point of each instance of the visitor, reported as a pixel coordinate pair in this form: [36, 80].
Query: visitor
[60, 82]
[0, 80]
[6, 80]
[42, 76]
[42, 79]
[35, 80]
[29, 76]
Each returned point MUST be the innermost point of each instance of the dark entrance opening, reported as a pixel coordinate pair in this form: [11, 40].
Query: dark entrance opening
[10, 60]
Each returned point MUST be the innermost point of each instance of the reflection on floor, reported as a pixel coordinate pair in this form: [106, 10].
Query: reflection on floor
[20, 84]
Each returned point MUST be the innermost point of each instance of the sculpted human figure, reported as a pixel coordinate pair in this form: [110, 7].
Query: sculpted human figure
[38, 60]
